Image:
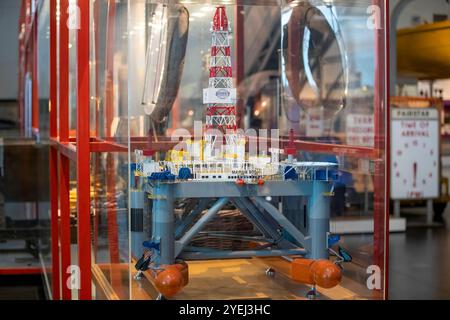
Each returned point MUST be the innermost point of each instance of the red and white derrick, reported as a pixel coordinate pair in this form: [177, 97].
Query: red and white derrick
[220, 96]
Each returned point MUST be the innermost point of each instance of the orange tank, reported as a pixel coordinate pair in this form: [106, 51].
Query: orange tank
[322, 273]
[172, 279]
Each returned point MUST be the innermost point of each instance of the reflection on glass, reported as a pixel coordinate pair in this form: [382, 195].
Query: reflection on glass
[165, 58]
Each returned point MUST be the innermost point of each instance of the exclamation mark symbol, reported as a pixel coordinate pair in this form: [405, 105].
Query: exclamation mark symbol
[415, 174]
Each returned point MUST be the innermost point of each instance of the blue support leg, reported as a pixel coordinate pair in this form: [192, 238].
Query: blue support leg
[163, 223]
[137, 213]
[319, 220]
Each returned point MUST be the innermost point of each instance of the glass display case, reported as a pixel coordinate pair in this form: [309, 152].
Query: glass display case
[236, 149]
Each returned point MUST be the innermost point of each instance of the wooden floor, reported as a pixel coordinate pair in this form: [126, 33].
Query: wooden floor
[419, 269]
[241, 279]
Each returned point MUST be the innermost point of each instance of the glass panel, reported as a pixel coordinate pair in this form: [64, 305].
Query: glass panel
[332, 95]
[110, 167]
[43, 206]
[182, 89]
[24, 174]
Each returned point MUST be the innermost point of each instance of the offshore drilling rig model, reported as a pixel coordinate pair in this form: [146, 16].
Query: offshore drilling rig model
[287, 201]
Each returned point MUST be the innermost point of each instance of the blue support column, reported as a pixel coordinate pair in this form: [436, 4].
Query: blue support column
[137, 213]
[319, 220]
[163, 230]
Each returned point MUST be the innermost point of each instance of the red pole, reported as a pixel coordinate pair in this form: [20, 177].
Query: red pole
[97, 160]
[54, 156]
[53, 71]
[83, 151]
[64, 163]
[381, 195]
[97, 37]
[387, 150]
[64, 184]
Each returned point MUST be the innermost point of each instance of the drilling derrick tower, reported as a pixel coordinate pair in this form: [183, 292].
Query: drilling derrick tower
[220, 96]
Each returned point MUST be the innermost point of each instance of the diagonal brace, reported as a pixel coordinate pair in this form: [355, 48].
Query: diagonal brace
[195, 229]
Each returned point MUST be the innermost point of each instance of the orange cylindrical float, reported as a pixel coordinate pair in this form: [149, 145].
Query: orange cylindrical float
[172, 278]
[322, 273]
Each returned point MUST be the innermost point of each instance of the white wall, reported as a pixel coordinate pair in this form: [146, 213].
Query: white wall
[9, 21]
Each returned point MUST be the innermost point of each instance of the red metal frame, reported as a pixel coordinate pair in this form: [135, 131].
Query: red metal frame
[83, 151]
[56, 283]
[78, 149]
[67, 149]
[381, 175]
[19, 271]
[64, 162]
[388, 154]
[28, 60]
